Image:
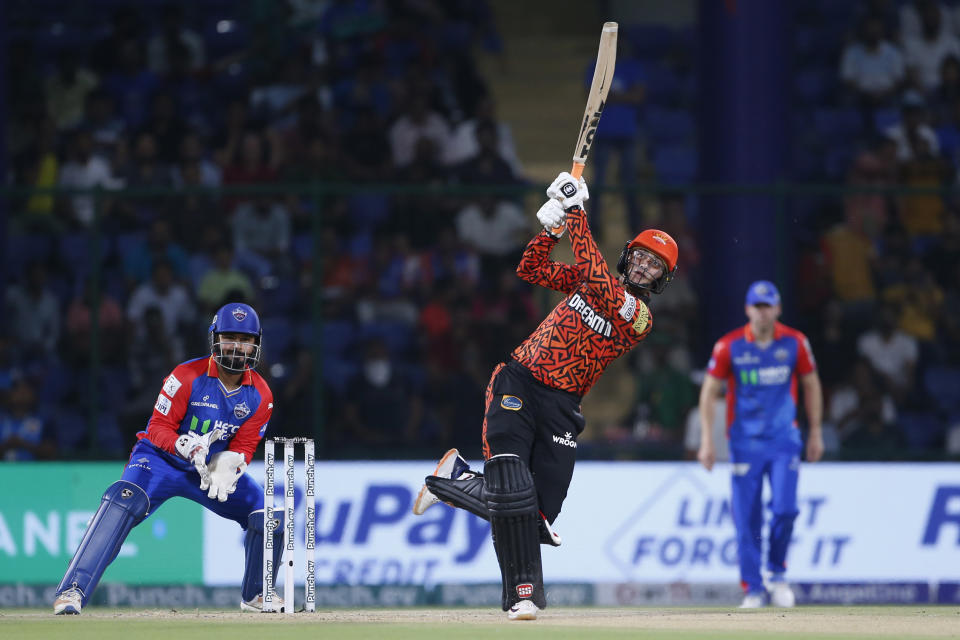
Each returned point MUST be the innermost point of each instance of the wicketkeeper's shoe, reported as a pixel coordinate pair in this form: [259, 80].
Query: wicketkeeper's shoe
[68, 602]
[255, 605]
[754, 600]
[523, 610]
[781, 595]
[451, 465]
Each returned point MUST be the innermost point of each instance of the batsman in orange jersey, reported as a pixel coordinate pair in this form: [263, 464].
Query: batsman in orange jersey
[533, 416]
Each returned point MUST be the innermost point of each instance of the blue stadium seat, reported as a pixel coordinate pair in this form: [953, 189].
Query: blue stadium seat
[883, 119]
[278, 335]
[360, 245]
[281, 297]
[837, 162]
[337, 372]
[302, 246]
[663, 85]
[814, 86]
[943, 386]
[70, 427]
[397, 335]
[338, 336]
[224, 35]
[368, 209]
[665, 125]
[675, 164]
[21, 249]
[832, 124]
[921, 430]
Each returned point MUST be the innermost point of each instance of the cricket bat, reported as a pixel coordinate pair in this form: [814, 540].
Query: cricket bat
[597, 98]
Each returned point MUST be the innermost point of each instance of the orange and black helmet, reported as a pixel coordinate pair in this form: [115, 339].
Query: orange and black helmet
[661, 245]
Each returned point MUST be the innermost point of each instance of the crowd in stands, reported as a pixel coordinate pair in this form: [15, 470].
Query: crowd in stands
[416, 288]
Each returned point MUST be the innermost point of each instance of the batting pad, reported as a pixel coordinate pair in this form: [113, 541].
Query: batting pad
[515, 520]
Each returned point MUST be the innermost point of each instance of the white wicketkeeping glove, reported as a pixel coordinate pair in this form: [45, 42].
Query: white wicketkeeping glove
[223, 472]
[195, 448]
[568, 191]
[553, 218]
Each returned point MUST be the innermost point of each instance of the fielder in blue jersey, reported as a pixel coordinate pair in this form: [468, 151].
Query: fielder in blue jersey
[209, 417]
[761, 363]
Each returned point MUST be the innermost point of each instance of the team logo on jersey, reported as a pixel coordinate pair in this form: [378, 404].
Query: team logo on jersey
[513, 403]
[241, 411]
[643, 317]
[163, 404]
[239, 314]
[171, 385]
[781, 354]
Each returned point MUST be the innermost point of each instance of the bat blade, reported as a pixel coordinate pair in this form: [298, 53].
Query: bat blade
[597, 98]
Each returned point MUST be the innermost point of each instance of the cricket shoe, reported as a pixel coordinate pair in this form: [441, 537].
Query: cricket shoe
[68, 602]
[754, 600]
[451, 465]
[255, 605]
[781, 595]
[523, 610]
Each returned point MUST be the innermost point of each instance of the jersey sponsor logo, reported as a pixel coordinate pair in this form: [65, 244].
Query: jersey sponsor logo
[746, 358]
[740, 468]
[765, 376]
[241, 411]
[163, 404]
[642, 319]
[513, 403]
[590, 317]
[171, 385]
[566, 440]
[525, 590]
[209, 405]
[629, 307]
[227, 428]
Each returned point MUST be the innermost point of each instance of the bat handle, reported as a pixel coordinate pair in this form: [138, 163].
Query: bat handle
[576, 172]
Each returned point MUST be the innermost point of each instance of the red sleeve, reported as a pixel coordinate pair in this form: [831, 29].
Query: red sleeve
[171, 407]
[719, 365]
[805, 362]
[248, 436]
[590, 262]
[536, 267]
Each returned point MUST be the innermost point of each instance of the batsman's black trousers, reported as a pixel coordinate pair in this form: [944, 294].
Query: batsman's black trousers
[538, 423]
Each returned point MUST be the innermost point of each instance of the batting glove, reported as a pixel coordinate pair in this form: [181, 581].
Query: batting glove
[552, 216]
[568, 191]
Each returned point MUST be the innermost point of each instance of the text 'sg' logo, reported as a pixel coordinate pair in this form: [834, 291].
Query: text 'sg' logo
[513, 403]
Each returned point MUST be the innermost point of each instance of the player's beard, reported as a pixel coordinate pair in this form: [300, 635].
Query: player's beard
[232, 357]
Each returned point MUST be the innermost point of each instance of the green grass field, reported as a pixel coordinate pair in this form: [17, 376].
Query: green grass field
[559, 623]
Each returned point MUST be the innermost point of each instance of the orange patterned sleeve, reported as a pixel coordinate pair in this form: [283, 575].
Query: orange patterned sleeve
[536, 267]
[591, 264]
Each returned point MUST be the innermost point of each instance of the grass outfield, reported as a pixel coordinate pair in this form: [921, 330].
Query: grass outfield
[469, 624]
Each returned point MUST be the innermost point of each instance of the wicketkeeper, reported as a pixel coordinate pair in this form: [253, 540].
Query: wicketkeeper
[533, 416]
[209, 417]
